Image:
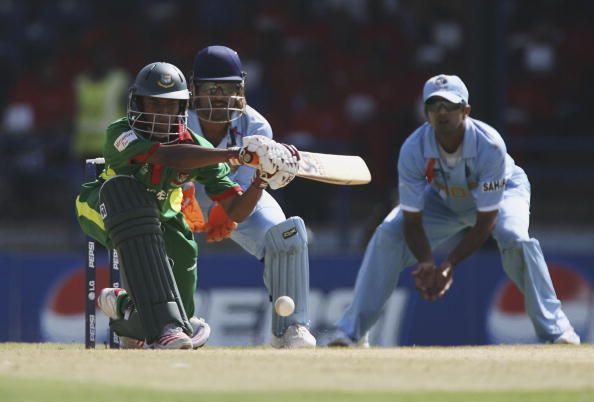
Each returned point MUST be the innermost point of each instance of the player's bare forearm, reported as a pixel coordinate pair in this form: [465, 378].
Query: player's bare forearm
[240, 207]
[474, 238]
[187, 156]
[415, 236]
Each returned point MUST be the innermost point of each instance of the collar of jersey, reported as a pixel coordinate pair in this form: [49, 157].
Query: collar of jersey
[199, 132]
[430, 149]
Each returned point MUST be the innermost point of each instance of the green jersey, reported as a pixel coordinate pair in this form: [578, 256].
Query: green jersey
[126, 153]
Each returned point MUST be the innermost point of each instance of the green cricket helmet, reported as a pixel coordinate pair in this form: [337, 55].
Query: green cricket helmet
[158, 80]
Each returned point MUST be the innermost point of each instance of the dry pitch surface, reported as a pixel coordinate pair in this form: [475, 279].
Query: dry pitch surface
[51, 372]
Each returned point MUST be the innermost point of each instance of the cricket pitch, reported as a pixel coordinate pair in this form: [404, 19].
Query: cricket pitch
[47, 372]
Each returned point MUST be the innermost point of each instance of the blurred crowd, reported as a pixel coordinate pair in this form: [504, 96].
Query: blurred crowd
[338, 76]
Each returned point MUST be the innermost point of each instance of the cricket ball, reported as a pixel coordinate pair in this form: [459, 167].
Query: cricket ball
[284, 306]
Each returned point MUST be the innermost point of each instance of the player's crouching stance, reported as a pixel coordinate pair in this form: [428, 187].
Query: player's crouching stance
[135, 207]
[454, 175]
[221, 115]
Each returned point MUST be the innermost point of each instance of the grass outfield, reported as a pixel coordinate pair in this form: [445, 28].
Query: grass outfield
[52, 372]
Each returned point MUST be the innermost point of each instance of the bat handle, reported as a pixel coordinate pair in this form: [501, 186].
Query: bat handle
[241, 156]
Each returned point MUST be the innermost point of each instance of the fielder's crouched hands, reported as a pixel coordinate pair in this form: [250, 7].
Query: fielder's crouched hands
[431, 282]
[443, 279]
[424, 276]
[219, 225]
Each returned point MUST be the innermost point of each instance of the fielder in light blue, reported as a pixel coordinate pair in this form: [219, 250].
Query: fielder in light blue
[222, 116]
[454, 175]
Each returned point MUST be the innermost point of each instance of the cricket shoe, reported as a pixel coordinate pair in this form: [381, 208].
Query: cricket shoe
[201, 332]
[341, 339]
[295, 337]
[172, 337]
[199, 336]
[568, 337]
[108, 301]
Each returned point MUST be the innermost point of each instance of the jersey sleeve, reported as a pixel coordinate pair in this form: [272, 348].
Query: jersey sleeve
[244, 176]
[259, 126]
[122, 146]
[491, 179]
[216, 181]
[215, 178]
[411, 178]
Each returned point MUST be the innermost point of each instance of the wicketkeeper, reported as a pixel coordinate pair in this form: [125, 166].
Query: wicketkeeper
[221, 115]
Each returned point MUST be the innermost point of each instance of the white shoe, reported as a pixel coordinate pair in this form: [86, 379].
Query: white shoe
[568, 337]
[173, 337]
[295, 337]
[201, 332]
[340, 339]
[108, 301]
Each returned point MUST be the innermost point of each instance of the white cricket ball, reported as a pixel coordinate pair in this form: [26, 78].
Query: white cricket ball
[284, 306]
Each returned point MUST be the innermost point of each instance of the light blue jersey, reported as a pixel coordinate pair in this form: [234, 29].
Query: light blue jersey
[267, 213]
[250, 123]
[476, 182]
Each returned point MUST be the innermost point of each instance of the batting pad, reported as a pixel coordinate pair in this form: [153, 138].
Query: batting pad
[286, 271]
[131, 219]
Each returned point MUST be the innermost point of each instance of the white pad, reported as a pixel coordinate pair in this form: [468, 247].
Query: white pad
[286, 271]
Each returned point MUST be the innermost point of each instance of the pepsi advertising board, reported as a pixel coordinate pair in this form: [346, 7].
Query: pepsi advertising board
[42, 300]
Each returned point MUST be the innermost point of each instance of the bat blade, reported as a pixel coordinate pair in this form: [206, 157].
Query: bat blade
[333, 169]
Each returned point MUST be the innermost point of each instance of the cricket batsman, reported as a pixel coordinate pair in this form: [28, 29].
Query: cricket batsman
[136, 207]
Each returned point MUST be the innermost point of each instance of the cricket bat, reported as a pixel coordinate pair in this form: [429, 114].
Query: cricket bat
[334, 169]
[327, 168]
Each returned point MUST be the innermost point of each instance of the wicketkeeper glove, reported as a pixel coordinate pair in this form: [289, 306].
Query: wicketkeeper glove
[190, 208]
[219, 225]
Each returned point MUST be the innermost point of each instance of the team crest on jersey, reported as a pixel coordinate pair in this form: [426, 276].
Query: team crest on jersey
[166, 81]
[492, 186]
[124, 140]
[161, 195]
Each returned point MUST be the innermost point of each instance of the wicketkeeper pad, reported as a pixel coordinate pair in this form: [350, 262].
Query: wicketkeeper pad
[286, 271]
[131, 219]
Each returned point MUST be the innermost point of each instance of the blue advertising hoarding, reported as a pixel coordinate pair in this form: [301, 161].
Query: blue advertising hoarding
[42, 299]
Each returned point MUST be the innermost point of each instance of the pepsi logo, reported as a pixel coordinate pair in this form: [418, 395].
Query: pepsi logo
[507, 321]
